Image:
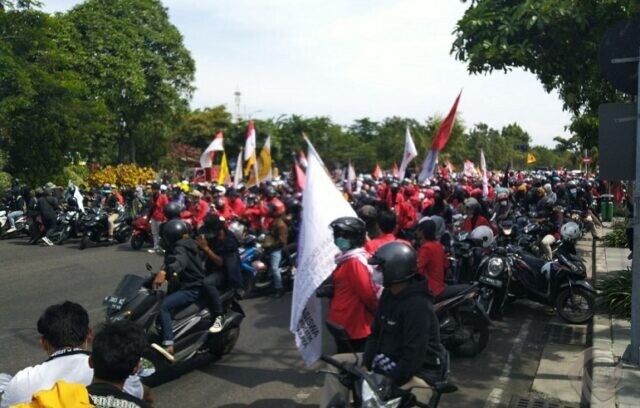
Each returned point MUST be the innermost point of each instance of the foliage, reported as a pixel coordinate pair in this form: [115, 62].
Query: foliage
[616, 292]
[5, 180]
[197, 128]
[122, 175]
[45, 107]
[617, 238]
[134, 60]
[557, 40]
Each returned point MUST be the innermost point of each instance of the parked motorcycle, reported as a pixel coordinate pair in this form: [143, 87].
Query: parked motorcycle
[464, 325]
[510, 274]
[66, 227]
[372, 390]
[134, 300]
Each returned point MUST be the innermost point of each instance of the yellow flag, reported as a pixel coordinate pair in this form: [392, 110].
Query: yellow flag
[265, 172]
[224, 169]
[531, 158]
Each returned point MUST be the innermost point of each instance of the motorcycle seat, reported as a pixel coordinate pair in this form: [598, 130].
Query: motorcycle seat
[463, 291]
[533, 261]
[190, 310]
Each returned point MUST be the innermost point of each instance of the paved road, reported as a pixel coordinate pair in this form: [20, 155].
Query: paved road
[264, 370]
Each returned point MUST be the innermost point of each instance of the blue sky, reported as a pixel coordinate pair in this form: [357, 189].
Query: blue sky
[348, 59]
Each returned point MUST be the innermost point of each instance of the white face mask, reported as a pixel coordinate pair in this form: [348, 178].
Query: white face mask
[377, 276]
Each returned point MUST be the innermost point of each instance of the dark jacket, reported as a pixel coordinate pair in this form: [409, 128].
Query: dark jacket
[406, 330]
[47, 206]
[183, 266]
[229, 250]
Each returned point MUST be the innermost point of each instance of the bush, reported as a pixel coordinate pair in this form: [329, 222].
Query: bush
[123, 175]
[616, 293]
[618, 237]
[77, 174]
[5, 181]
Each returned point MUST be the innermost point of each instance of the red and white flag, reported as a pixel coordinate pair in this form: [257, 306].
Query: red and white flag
[303, 160]
[469, 169]
[377, 172]
[250, 150]
[483, 171]
[410, 153]
[206, 159]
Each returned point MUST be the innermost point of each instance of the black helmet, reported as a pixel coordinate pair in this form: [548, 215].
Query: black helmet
[353, 227]
[397, 261]
[172, 211]
[173, 231]
[270, 192]
[545, 205]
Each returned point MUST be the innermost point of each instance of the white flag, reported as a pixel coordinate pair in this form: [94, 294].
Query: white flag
[429, 166]
[216, 146]
[351, 177]
[322, 203]
[237, 175]
[410, 153]
[483, 169]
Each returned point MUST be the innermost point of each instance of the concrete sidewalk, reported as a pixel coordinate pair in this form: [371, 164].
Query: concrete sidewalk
[612, 384]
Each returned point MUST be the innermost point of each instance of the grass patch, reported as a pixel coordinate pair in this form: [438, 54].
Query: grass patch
[616, 293]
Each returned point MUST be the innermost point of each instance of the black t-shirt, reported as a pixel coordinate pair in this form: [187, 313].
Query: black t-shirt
[109, 396]
[228, 249]
[47, 206]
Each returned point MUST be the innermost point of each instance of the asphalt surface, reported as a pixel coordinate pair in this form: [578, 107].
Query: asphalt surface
[264, 370]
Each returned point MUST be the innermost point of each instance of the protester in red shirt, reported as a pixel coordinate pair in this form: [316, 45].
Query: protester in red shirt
[354, 300]
[156, 208]
[474, 218]
[386, 221]
[235, 202]
[432, 260]
[198, 207]
[406, 213]
[253, 213]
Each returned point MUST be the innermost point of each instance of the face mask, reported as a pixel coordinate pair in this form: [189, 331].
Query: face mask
[377, 276]
[343, 244]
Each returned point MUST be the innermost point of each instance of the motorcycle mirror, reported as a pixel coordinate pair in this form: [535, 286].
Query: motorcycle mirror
[149, 267]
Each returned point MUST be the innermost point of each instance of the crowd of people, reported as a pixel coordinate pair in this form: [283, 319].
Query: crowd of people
[390, 269]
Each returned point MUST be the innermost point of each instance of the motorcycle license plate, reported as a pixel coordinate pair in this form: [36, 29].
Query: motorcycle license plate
[114, 302]
[491, 282]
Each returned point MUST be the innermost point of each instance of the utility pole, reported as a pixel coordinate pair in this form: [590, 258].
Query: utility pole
[237, 95]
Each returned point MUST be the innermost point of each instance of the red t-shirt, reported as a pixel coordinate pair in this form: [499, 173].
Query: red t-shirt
[373, 245]
[354, 301]
[158, 207]
[432, 263]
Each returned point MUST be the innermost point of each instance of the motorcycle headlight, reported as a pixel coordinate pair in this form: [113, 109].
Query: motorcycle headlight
[97, 218]
[507, 231]
[495, 267]
[371, 400]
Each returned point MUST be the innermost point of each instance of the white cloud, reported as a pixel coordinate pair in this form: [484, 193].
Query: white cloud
[350, 59]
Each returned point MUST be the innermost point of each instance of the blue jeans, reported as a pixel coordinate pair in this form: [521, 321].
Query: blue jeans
[12, 217]
[274, 267]
[175, 300]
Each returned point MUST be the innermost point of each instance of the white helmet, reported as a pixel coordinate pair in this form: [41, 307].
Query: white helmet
[482, 234]
[570, 231]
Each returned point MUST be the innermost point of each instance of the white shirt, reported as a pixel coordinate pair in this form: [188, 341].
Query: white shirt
[72, 368]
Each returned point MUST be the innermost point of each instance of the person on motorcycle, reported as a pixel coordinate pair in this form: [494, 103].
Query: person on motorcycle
[156, 215]
[183, 270]
[64, 334]
[354, 300]
[235, 202]
[551, 222]
[198, 207]
[222, 262]
[17, 209]
[253, 213]
[386, 221]
[405, 332]
[110, 205]
[474, 217]
[275, 242]
[502, 207]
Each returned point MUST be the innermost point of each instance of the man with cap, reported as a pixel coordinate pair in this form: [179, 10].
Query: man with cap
[198, 207]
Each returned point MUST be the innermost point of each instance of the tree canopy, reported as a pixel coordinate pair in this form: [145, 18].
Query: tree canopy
[557, 40]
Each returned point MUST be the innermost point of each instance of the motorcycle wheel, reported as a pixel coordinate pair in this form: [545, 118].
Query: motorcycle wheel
[479, 336]
[137, 241]
[231, 338]
[61, 238]
[121, 237]
[575, 306]
[84, 242]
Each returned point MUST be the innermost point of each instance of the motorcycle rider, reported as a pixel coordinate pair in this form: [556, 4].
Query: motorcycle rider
[156, 215]
[386, 221]
[474, 217]
[551, 222]
[198, 207]
[354, 300]
[18, 208]
[110, 205]
[433, 262]
[405, 332]
[183, 270]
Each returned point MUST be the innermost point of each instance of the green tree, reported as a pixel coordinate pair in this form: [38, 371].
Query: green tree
[197, 128]
[134, 59]
[557, 40]
[46, 109]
